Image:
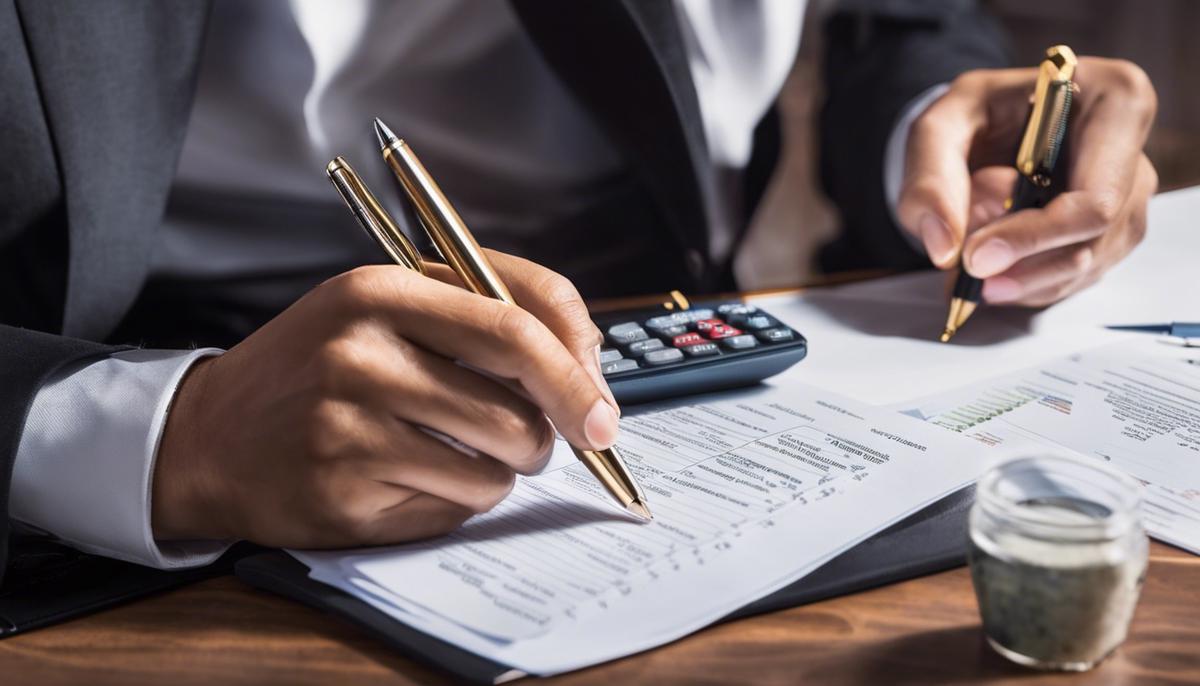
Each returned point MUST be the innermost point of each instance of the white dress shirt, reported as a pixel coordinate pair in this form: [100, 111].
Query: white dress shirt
[286, 85]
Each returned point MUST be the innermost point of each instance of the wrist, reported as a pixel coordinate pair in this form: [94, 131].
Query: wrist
[184, 502]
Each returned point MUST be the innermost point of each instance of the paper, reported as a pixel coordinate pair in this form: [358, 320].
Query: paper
[1135, 406]
[750, 491]
[876, 341]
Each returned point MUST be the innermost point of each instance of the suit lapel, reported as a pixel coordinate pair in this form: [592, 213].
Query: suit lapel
[116, 81]
[626, 61]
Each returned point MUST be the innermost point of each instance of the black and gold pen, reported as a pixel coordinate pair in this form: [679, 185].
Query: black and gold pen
[1037, 157]
[460, 250]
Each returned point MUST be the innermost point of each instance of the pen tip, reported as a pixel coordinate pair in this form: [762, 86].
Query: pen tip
[639, 508]
[947, 335]
[383, 133]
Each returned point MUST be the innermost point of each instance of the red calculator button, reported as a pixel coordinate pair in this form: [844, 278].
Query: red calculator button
[686, 339]
[705, 325]
[723, 331]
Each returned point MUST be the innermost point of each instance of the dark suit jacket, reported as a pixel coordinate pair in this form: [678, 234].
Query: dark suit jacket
[96, 97]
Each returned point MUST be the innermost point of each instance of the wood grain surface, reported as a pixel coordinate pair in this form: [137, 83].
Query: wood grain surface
[923, 631]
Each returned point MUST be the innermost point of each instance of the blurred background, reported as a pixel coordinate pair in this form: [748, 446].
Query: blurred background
[1160, 35]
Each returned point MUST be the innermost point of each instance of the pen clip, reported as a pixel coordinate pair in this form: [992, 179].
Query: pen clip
[371, 215]
[1046, 130]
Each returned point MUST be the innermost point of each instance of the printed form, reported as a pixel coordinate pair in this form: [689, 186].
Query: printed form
[750, 490]
[1133, 405]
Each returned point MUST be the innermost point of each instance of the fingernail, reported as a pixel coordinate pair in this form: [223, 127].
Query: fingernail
[598, 377]
[993, 257]
[939, 244]
[600, 427]
[1001, 289]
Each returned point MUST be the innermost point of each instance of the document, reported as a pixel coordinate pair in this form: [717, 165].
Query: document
[1134, 405]
[750, 490]
[876, 340]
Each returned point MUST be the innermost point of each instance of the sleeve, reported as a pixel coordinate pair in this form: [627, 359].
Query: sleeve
[85, 460]
[894, 156]
[880, 56]
[27, 359]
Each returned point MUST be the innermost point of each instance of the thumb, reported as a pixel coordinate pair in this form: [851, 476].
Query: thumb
[936, 192]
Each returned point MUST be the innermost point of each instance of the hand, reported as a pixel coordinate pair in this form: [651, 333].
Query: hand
[960, 170]
[306, 434]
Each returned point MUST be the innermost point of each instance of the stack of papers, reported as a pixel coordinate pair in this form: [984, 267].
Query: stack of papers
[750, 491]
[1135, 406]
[754, 489]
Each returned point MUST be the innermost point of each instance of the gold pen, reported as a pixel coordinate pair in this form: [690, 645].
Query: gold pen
[371, 216]
[1045, 134]
[460, 250]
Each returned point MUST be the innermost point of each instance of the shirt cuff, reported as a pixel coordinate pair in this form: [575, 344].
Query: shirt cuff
[894, 155]
[85, 462]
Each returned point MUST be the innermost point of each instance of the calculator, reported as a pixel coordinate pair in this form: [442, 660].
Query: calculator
[654, 353]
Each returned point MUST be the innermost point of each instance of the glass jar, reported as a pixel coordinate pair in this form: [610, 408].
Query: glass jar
[1058, 556]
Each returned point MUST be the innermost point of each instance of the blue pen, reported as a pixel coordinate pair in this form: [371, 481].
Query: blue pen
[1177, 329]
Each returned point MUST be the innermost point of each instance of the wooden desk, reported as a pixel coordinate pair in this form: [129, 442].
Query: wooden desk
[921, 631]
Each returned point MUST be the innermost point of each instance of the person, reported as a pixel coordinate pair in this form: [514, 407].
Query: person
[190, 356]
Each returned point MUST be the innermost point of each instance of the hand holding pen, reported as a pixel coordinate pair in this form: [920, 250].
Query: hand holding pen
[475, 271]
[959, 173]
[312, 432]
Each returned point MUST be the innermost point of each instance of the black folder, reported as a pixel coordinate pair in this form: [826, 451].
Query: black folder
[47, 582]
[928, 541]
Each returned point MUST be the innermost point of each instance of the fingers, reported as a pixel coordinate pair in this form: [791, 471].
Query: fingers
[404, 455]
[361, 495]
[431, 391]
[415, 517]
[553, 299]
[497, 338]
[1051, 271]
[422, 516]
[1073, 217]
[936, 193]
[550, 297]
[976, 122]
[1116, 108]
[990, 188]
[382, 480]
[1111, 119]
[1046, 277]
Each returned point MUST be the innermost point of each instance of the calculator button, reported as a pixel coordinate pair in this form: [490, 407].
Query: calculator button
[609, 355]
[622, 365]
[683, 318]
[686, 340]
[701, 350]
[675, 330]
[730, 309]
[754, 322]
[743, 342]
[665, 321]
[656, 358]
[778, 335]
[627, 332]
[638, 348]
[722, 331]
